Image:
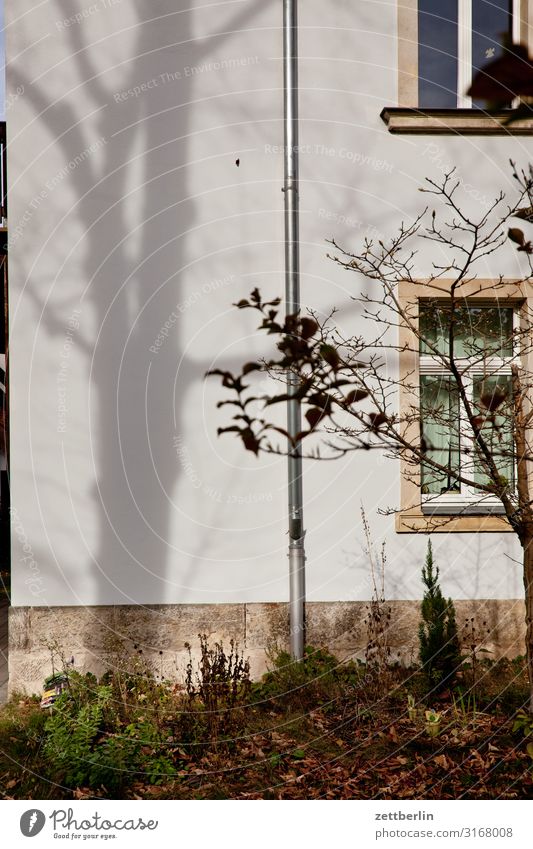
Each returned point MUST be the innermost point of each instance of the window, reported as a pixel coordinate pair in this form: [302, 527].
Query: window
[431, 498]
[441, 45]
[456, 39]
[483, 351]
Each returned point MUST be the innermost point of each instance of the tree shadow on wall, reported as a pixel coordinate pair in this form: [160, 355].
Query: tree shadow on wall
[132, 276]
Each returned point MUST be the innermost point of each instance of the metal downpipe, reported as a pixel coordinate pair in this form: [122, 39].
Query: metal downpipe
[292, 305]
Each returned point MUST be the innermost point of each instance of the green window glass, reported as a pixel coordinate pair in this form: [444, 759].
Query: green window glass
[439, 416]
[482, 339]
[477, 331]
[492, 401]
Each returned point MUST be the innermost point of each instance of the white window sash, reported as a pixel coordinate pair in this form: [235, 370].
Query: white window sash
[464, 48]
[464, 53]
[469, 500]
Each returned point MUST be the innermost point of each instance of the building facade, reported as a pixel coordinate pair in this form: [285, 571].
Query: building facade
[145, 164]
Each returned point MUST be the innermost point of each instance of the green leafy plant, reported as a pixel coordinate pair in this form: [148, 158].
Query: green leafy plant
[439, 648]
[464, 707]
[433, 722]
[411, 708]
[97, 736]
[524, 723]
[317, 680]
[75, 739]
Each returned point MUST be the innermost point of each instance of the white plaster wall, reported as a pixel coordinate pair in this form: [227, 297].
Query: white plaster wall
[128, 495]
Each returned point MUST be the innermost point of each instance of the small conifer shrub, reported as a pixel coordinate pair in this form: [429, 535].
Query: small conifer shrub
[439, 652]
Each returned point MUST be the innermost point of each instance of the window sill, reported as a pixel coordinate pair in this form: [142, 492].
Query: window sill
[463, 122]
[414, 521]
[455, 506]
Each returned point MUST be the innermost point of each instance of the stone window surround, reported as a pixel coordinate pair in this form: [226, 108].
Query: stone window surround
[410, 518]
[408, 118]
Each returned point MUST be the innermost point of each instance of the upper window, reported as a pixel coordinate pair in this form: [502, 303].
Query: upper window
[456, 39]
[442, 44]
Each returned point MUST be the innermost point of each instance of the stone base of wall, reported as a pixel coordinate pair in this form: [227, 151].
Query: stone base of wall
[92, 635]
